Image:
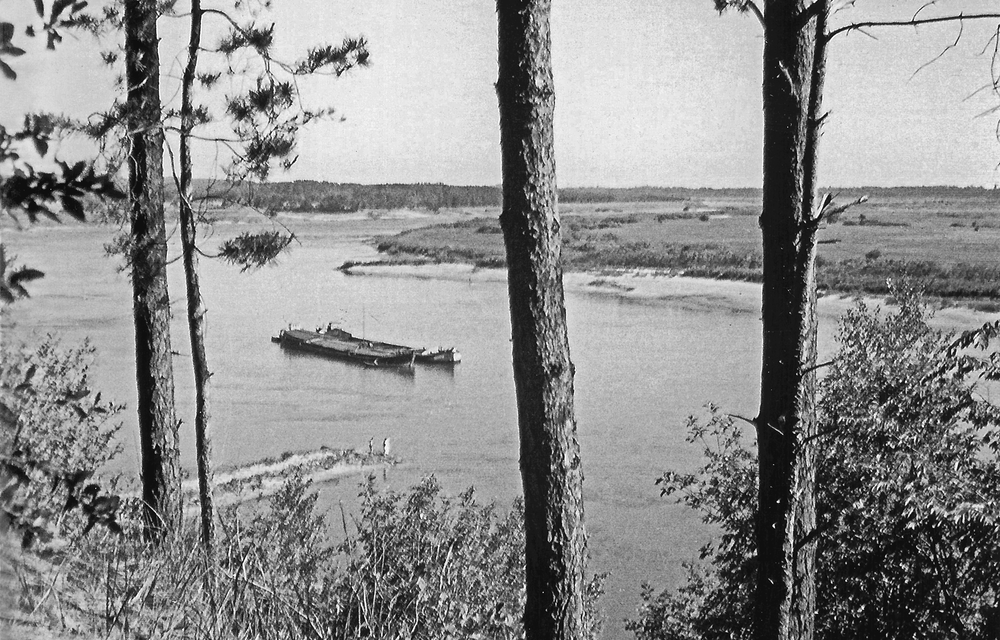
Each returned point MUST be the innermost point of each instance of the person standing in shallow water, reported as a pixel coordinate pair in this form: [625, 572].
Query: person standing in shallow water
[386, 444]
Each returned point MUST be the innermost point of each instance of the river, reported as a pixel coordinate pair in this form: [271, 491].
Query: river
[642, 366]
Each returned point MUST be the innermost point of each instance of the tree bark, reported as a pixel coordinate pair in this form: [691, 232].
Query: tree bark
[794, 66]
[551, 472]
[161, 485]
[196, 309]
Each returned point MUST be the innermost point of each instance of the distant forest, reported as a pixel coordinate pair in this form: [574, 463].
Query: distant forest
[332, 197]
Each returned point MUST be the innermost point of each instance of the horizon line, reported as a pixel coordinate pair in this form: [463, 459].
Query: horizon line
[609, 188]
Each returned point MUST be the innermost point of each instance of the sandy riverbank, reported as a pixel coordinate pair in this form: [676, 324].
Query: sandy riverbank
[257, 480]
[648, 285]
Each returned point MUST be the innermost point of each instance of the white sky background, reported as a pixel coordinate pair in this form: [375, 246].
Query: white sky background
[648, 92]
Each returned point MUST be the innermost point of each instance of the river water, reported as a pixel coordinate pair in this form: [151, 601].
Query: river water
[642, 368]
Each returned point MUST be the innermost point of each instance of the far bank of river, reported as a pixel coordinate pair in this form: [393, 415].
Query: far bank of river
[649, 351]
[652, 286]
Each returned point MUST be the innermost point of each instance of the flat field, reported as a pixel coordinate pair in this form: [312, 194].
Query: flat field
[947, 240]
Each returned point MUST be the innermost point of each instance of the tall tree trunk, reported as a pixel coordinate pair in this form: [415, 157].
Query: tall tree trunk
[551, 472]
[196, 309]
[794, 65]
[161, 484]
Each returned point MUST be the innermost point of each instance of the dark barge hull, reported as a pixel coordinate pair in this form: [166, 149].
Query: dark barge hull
[341, 345]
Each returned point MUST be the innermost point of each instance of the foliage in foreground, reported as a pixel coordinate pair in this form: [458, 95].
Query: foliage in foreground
[425, 565]
[416, 564]
[55, 434]
[428, 566]
[908, 494]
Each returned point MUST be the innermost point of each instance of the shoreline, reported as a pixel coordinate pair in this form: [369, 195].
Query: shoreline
[653, 286]
[262, 478]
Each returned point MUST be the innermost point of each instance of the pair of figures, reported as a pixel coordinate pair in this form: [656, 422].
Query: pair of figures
[385, 446]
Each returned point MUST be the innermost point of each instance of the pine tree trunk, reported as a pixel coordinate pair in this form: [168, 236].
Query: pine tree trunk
[161, 485]
[196, 309]
[551, 472]
[794, 65]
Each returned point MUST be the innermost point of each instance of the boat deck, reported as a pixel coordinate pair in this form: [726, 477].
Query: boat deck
[362, 348]
[337, 343]
[345, 345]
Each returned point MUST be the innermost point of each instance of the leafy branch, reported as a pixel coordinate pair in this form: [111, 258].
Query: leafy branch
[13, 279]
[742, 6]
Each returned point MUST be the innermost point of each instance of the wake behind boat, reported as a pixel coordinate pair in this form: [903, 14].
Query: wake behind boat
[334, 342]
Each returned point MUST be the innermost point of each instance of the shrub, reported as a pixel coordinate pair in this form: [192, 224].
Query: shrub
[613, 222]
[273, 578]
[425, 565]
[55, 434]
[428, 566]
[908, 524]
[414, 564]
[685, 215]
[492, 262]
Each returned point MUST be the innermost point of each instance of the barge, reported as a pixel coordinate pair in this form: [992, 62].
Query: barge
[336, 343]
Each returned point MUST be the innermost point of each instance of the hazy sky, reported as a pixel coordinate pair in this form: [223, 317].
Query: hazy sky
[648, 92]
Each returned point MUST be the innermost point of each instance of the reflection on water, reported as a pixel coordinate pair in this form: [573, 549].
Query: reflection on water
[444, 372]
[641, 369]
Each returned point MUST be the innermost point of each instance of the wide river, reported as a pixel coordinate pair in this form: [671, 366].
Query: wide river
[642, 366]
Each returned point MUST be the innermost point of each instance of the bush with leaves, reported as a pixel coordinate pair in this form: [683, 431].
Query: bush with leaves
[14, 277]
[425, 565]
[908, 483]
[414, 564]
[54, 435]
[429, 566]
[275, 570]
[280, 562]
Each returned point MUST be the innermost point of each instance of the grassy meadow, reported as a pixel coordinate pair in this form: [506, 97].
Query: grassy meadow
[947, 239]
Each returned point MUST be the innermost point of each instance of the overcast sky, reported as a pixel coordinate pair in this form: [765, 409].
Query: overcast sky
[648, 92]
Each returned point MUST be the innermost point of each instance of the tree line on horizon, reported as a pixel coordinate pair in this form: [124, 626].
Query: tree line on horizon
[334, 197]
[340, 197]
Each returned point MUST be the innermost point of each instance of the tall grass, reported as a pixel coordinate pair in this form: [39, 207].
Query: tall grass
[415, 564]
